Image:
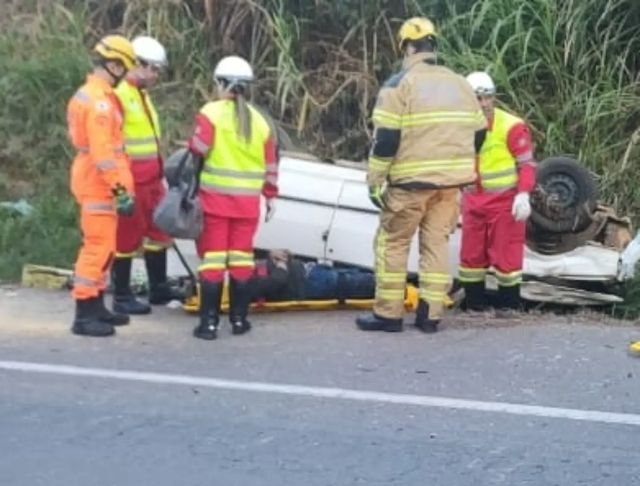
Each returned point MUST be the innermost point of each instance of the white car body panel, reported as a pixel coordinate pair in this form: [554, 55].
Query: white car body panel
[323, 212]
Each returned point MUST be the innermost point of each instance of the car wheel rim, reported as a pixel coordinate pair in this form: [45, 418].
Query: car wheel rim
[562, 193]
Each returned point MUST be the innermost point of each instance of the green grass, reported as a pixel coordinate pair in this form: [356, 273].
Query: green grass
[47, 237]
[630, 308]
[42, 61]
[569, 67]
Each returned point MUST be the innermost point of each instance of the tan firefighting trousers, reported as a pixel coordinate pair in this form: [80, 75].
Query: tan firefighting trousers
[434, 212]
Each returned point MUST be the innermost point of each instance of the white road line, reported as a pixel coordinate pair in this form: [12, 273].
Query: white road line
[322, 392]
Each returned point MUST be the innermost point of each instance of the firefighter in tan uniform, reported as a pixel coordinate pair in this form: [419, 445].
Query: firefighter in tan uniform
[428, 129]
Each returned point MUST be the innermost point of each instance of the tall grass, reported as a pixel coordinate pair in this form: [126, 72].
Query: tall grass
[569, 66]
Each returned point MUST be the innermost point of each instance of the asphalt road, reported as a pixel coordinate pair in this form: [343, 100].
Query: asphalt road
[307, 399]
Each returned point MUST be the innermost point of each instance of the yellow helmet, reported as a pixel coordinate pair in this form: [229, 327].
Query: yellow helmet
[116, 48]
[415, 28]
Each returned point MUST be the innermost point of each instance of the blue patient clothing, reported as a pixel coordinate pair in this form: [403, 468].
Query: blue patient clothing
[310, 281]
[325, 282]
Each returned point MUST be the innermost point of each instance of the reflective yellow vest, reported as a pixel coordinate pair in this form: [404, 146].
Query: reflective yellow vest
[497, 166]
[234, 166]
[141, 134]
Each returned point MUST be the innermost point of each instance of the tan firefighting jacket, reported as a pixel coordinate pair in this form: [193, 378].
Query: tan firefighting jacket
[437, 114]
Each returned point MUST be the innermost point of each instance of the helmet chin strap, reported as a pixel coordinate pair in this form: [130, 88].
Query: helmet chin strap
[116, 79]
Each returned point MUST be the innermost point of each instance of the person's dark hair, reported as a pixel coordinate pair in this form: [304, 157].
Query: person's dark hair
[425, 44]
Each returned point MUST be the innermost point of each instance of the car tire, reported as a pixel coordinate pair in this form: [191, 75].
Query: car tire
[565, 196]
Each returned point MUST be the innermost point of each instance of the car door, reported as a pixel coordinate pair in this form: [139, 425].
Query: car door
[305, 206]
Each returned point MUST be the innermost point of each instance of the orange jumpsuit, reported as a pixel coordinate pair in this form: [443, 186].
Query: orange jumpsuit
[100, 165]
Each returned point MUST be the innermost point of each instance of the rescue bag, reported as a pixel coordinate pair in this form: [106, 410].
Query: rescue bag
[179, 213]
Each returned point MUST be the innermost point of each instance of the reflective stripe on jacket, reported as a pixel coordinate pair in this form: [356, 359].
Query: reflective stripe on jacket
[437, 114]
[235, 166]
[95, 130]
[497, 167]
[141, 130]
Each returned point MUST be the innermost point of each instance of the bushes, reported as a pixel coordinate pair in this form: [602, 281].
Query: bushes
[569, 67]
[42, 61]
[47, 237]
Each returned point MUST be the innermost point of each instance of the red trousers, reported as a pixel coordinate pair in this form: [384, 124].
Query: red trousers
[134, 229]
[226, 244]
[491, 238]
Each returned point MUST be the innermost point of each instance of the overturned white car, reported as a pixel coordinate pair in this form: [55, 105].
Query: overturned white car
[324, 213]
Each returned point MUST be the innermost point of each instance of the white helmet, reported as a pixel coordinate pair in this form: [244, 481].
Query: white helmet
[481, 83]
[149, 50]
[234, 70]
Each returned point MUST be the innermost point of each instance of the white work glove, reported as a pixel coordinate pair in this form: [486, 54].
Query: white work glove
[271, 209]
[521, 208]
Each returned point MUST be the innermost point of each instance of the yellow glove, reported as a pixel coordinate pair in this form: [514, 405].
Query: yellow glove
[376, 196]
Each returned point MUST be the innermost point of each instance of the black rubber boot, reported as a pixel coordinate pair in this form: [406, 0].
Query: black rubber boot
[112, 318]
[87, 320]
[210, 300]
[239, 300]
[160, 292]
[423, 322]
[475, 297]
[508, 303]
[124, 302]
[374, 322]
